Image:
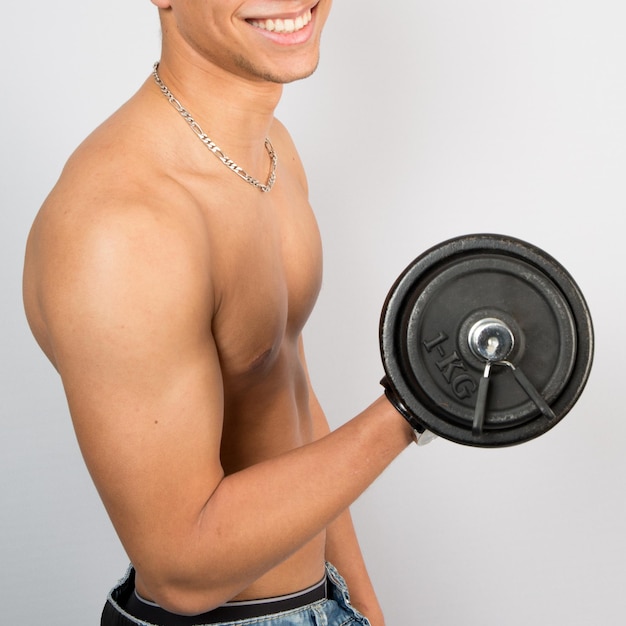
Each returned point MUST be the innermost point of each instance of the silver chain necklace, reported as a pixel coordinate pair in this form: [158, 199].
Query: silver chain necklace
[229, 163]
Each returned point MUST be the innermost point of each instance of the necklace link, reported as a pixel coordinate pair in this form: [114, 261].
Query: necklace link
[213, 147]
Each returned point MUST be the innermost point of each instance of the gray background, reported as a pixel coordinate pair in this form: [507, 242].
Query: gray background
[426, 120]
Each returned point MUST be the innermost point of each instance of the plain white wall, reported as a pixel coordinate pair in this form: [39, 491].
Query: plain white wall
[426, 120]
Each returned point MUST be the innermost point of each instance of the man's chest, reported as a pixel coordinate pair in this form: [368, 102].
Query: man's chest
[267, 273]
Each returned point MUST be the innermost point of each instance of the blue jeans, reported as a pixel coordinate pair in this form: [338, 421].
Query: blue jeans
[335, 610]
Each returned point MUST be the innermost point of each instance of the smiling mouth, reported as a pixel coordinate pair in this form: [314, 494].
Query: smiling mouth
[279, 25]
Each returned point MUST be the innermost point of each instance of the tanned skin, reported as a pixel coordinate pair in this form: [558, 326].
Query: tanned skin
[171, 295]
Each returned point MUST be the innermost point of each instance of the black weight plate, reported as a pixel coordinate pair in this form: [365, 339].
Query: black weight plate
[484, 286]
[425, 326]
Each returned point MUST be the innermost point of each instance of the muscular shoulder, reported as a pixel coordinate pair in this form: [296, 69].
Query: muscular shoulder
[115, 237]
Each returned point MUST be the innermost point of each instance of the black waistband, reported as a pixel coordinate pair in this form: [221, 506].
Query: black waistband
[230, 612]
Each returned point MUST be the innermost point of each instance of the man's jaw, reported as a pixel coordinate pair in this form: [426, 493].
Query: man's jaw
[294, 30]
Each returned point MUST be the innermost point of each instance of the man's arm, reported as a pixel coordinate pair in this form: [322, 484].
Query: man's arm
[127, 299]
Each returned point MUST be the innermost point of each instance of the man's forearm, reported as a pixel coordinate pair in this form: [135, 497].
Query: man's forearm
[258, 517]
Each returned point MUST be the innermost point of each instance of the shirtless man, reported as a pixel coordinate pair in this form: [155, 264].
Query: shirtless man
[170, 295]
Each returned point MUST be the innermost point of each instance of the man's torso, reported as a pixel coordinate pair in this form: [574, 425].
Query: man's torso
[264, 262]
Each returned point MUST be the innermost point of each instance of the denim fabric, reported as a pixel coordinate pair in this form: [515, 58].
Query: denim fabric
[335, 611]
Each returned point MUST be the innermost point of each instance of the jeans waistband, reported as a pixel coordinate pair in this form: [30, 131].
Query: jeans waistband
[145, 611]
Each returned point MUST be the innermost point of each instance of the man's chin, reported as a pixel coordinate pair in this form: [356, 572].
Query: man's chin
[285, 80]
[279, 77]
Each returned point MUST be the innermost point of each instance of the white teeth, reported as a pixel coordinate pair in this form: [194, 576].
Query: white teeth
[283, 26]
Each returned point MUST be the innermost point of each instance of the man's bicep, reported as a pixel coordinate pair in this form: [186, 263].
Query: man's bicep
[132, 342]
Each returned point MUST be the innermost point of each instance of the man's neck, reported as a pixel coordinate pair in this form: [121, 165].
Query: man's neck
[233, 110]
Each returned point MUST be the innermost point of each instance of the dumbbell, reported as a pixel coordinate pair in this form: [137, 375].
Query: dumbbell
[486, 340]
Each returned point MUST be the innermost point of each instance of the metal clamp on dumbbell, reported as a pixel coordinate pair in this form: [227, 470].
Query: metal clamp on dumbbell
[486, 340]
